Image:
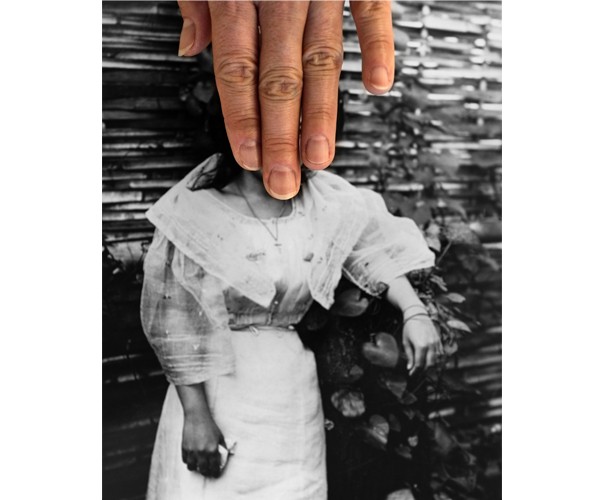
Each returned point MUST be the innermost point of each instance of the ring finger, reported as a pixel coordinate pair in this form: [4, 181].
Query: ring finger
[322, 63]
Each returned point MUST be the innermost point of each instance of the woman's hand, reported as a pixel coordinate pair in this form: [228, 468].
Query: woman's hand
[275, 61]
[421, 341]
[200, 441]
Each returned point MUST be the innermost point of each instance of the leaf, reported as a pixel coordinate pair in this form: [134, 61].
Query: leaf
[401, 495]
[456, 298]
[450, 349]
[438, 280]
[350, 375]
[383, 352]
[404, 452]
[488, 230]
[460, 233]
[443, 441]
[422, 214]
[408, 398]
[395, 425]
[458, 325]
[456, 206]
[350, 303]
[396, 385]
[349, 403]
[376, 431]
[432, 236]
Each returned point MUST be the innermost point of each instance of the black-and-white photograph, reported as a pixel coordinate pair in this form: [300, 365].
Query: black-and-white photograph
[302, 241]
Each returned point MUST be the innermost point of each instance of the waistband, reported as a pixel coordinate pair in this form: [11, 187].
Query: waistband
[256, 329]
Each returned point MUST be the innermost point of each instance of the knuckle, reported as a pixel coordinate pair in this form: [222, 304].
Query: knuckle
[371, 10]
[237, 71]
[279, 144]
[325, 60]
[320, 114]
[281, 84]
[239, 119]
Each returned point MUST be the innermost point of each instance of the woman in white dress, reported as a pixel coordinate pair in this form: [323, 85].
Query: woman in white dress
[229, 272]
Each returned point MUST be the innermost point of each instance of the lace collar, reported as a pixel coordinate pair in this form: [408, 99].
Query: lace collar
[335, 209]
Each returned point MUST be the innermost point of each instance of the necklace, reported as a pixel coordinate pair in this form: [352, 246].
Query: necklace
[274, 234]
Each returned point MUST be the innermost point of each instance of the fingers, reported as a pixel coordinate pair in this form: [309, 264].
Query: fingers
[235, 58]
[190, 459]
[206, 463]
[420, 356]
[431, 357]
[280, 88]
[408, 350]
[322, 63]
[195, 33]
[214, 464]
[203, 465]
[374, 28]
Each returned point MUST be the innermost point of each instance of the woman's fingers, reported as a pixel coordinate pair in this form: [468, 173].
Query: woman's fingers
[420, 358]
[280, 85]
[431, 357]
[214, 464]
[195, 32]
[322, 63]
[203, 465]
[192, 461]
[374, 28]
[410, 356]
[235, 57]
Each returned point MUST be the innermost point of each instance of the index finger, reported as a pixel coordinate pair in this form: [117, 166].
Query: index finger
[235, 59]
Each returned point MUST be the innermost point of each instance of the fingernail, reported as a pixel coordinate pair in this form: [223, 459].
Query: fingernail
[282, 183]
[249, 154]
[317, 150]
[186, 37]
[380, 78]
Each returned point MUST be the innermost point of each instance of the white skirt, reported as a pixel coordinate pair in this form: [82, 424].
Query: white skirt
[270, 406]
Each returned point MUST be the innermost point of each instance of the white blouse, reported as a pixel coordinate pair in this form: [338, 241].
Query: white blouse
[211, 269]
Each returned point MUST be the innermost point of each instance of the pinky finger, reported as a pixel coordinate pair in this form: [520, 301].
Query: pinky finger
[373, 19]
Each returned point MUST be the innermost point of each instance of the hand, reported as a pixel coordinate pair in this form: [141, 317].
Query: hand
[421, 341]
[200, 440]
[266, 83]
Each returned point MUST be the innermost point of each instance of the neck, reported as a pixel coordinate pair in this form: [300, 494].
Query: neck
[251, 183]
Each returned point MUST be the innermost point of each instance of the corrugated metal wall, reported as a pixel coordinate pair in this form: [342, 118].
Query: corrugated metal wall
[444, 113]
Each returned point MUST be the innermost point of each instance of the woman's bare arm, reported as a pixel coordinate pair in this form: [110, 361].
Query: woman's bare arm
[421, 341]
[201, 435]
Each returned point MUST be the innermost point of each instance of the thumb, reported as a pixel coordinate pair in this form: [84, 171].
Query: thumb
[195, 33]
[410, 356]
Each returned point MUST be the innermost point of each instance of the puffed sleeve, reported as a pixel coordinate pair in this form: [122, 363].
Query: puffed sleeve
[184, 316]
[389, 247]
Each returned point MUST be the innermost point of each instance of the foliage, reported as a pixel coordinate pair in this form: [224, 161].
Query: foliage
[380, 437]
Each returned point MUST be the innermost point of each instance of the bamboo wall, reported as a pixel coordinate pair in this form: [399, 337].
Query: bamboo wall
[449, 68]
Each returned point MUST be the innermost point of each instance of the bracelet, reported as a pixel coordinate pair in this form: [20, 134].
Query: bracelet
[415, 316]
[419, 306]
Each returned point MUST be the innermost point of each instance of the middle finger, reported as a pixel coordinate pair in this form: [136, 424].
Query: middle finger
[322, 62]
[280, 86]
